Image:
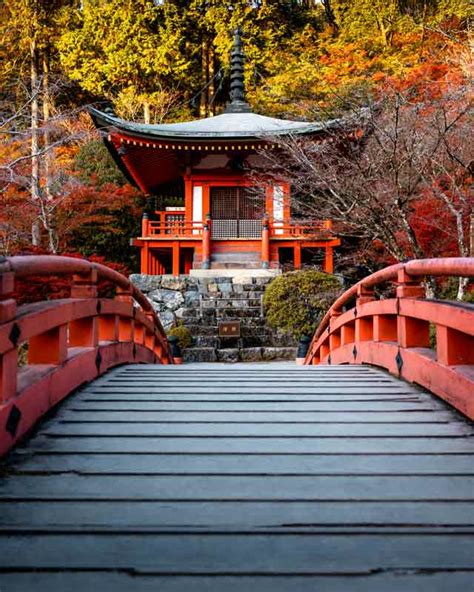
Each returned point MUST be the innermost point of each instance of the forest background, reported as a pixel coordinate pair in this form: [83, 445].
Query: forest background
[401, 69]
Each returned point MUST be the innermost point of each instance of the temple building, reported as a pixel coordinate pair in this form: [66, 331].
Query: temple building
[205, 210]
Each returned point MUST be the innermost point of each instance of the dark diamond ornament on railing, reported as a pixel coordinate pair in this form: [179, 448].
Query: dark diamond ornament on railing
[399, 361]
[13, 420]
[15, 333]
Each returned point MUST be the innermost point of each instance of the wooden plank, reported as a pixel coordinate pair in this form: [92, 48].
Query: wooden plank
[272, 417]
[256, 430]
[112, 581]
[335, 446]
[248, 465]
[249, 381]
[327, 387]
[234, 554]
[250, 397]
[248, 515]
[177, 487]
[266, 470]
[288, 407]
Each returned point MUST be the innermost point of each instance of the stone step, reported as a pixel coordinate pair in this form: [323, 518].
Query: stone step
[226, 303]
[213, 316]
[236, 260]
[202, 330]
[235, 354]
[200, 354]
[236, 265]
[206, 341]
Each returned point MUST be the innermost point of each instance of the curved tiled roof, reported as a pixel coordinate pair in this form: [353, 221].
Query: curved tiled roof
[228, 126]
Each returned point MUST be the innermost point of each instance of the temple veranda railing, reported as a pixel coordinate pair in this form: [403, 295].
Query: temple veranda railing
[195, 230]
[67, 342]
[428, 342]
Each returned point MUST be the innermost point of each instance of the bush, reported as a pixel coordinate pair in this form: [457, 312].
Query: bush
[295, 302]
[469, 297]
[182, 334]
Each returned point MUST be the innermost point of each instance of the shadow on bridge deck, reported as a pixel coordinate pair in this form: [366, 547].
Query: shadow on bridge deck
[229, 478]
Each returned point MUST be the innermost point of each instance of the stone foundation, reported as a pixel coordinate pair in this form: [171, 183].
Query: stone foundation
[200, 303]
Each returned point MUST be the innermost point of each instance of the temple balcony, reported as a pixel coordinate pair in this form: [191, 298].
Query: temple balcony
[229, 229]
[176, 245]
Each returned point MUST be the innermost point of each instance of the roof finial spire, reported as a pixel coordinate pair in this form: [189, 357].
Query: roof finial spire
[237, 104]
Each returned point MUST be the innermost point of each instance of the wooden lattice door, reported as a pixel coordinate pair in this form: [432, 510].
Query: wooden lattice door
[236, 212]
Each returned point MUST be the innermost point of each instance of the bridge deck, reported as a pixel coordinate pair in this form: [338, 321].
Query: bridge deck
[231, 478]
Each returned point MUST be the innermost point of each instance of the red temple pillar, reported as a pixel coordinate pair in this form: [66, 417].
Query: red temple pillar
[144, 258]
[206, 243]
[265, 243]
[297, 254]
[328, 260]
[175, 267]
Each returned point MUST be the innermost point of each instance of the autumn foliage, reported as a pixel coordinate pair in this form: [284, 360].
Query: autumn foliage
[168, 61]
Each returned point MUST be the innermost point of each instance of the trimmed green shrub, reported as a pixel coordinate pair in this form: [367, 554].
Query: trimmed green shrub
[182, 334]
[469, 297]
[295, 302]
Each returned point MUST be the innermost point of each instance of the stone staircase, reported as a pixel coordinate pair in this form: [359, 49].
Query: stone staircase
[202, 303]
[236, 260]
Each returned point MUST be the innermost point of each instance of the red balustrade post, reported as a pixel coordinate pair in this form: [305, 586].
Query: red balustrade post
[334, 338]
[7, 302]
[265, 242]
[206, 243]
[125, 324]
[84, 286]
[84, 332]
[364, 294]
[145, 225]
[411, 332]
[408, 286]
[8, 360]
[149, 340]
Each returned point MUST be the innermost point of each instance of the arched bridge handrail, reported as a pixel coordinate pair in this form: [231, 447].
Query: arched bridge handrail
[24, 266]
[71, 340]
[448, 266]
[397, 333]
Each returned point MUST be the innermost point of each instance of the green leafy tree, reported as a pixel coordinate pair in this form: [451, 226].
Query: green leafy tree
[129, 52]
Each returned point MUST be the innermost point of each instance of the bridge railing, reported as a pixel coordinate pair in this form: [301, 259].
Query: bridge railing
[428, 342]
[67, 342]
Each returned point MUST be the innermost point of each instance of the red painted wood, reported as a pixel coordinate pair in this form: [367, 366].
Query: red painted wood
[395, 333]
[71, 341]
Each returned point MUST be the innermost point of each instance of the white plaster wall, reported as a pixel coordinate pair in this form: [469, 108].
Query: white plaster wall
[197, 205]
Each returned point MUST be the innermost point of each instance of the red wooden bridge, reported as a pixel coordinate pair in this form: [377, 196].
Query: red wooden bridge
[340, 475]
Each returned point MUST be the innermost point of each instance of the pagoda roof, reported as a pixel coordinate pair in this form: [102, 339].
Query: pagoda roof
[228, 126]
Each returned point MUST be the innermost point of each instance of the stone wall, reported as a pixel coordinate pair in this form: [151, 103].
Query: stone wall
[169, 295]
[201, 303]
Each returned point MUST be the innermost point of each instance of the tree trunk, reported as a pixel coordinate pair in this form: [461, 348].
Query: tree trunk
[35, 160]
[471, 235]
[212, 82]
[48, 221]
[204, 102]
[146, 112]
[46, 116]
[330, 17]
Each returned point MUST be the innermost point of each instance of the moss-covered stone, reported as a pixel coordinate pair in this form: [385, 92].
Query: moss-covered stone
[183, 336]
